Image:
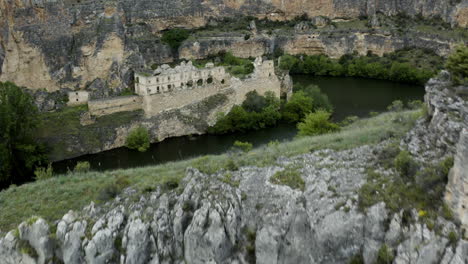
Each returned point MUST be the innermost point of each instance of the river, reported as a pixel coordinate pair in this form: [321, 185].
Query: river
[349, 96]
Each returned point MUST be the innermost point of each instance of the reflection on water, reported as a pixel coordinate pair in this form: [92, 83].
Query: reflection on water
[349, 96]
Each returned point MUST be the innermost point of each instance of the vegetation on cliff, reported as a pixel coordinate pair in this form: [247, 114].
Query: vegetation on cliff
[238, 67]
[457, 64]
[20, 154]
[138, 139]
[53, 197]
[175, 37]
[407, 66]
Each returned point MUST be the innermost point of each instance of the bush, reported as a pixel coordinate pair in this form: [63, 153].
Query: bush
[82, 166]
[138, 139]
[385, 255]
[287, 62]
[254, 102]
[395, 106]
[405, 165]
[453, 238]
[175, 37]
[42, 173]
[457, 65]
[316, 124]
[297, 107]
[415, 104]
[290, 177]
[243, 146]
[112, 189]
[256, 113]
[319, 99]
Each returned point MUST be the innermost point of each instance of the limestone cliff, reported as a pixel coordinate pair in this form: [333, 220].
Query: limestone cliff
[97, 45]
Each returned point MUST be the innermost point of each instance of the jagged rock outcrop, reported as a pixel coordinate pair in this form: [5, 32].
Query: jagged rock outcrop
[447, 115]
[212, 220]
[445, 133]
[78, 44]
[457, 187]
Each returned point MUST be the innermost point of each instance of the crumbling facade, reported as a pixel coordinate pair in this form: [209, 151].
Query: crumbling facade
[183, 77]
[170, 88]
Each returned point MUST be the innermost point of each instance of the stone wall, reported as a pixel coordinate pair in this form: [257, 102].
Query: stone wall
[113, 105]
[78, 97]
[157, 103]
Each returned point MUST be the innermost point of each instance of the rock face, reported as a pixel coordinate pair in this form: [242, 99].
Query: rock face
[97, 45]
[457, 187]
[238, 221]
[447, 115]
[445, 133]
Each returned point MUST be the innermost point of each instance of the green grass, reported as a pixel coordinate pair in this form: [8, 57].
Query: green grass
[291, 177]
[54, 197]
[59, 128]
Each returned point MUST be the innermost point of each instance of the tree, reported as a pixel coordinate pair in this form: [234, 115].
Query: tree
[254, 102]
[457, 64]
[316, 124]
[175, 37]
[19, 153]
[297, 107]
[138, 139]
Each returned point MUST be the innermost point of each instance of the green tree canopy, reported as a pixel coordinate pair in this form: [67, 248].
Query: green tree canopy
[175, 37]
[138, 139]
[457, 64]
[317, 123]
[297, 107]
[19, 153]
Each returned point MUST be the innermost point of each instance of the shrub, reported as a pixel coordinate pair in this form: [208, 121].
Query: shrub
[316, 124]
[405, 164]
[262, 112]
[349, 120]
[289, 176]
[254, 102]
[175, 37]
[287, 62]
[297, 107]
[457, 65]
[385, 255]
[243, 146]
[42, 173]
[82, 166]
[138, 139]
[357, 259]
[319, 99]
[112, 189]
[395, 106]
[415, 104]
[453, 238]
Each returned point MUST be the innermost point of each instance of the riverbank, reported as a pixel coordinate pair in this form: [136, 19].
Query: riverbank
[52, 198]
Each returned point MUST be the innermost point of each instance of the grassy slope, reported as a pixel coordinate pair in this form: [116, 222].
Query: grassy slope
[54, 197]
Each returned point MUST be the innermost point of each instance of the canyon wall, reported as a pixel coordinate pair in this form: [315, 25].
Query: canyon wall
[97, 45]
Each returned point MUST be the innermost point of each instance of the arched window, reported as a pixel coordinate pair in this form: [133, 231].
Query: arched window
[209, 80]
[200, 82]
[222, 81]
[169, 87]
[190, 83]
